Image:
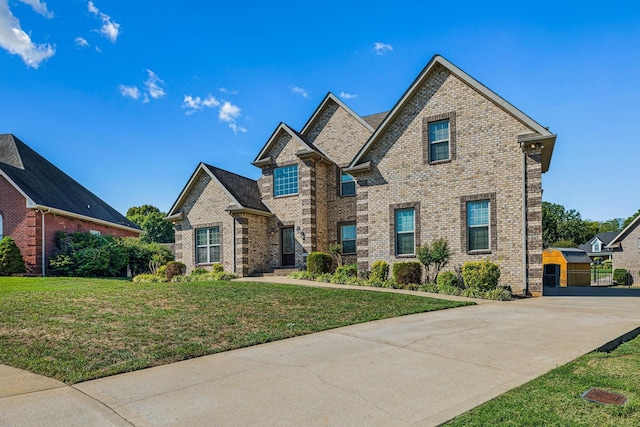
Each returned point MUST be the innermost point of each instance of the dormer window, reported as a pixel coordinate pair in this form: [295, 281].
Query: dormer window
[596, 246]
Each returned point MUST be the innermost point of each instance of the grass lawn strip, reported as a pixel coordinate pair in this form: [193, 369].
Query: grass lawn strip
[78, 329]
[554, 399]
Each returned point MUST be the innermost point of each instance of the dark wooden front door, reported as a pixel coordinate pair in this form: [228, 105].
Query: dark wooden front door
[288, 247]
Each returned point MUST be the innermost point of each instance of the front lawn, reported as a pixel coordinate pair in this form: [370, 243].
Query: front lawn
[555, 399]
[80, 329]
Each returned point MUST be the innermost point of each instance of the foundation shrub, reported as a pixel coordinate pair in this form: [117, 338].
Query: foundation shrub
[498, 294]
[11, 260]
[483, 275]
[175, 269]
[379, 270]
[621, 276]
[406, 273]
[319, 263]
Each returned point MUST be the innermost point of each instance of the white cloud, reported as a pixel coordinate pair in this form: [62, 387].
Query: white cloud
[228, 112]
[299, 91]
[14, 40]
[237, 129]
[39, 7]
[129, 91]
[153, 85]
[345, 95]
[382, 48]
[81, 42]
[193, 104]
[228, 91]
[110, 29]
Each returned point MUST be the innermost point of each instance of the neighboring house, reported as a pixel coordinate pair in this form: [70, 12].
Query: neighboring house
[37, 200]
[597, 248]
[450, 160]
[626, 247]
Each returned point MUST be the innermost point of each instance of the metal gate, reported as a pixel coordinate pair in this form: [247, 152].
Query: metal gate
[602, 282]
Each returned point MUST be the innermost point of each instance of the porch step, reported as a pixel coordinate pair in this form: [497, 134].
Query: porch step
[283, 271]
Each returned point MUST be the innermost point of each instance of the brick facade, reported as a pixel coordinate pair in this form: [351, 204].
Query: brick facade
[24, 225]
[487, 162]
[627, 254]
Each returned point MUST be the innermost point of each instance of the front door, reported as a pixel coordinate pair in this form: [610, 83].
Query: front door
[288, 247]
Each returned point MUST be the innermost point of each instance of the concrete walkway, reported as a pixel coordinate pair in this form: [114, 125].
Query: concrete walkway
[421, 369]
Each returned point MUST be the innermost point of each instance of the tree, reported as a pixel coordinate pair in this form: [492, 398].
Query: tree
[561, 224]
[630, 219]
[11, 261]
[437, 256]
[151, 220]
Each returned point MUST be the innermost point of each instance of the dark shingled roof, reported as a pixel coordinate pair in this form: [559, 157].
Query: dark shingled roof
[48, 186]
[605, 237]
[374, 120]
[245, 190]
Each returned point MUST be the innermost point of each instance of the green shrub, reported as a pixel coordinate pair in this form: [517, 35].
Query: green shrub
[302, 275]
[319, 262]
[447, 289]
[429, 287]
[175, 268]
[217, 268]
[200, 271]
[162, 271]
[621, 276]
[345, 273]
[148, 278]
[483, 275]
[472, 293]
[448, 278]
[11, 261]
[379, 271]
[324, 278]
[498, 294]
[607, 263]
[436, 255]
[405, 273]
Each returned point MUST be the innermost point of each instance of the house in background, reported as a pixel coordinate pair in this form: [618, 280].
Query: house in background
[37, 200]
[597, 248]
[450, 160]
[626, 247]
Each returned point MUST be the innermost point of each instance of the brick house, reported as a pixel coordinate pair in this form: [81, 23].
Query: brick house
[625, 247]
[450, 160]
[37, 200]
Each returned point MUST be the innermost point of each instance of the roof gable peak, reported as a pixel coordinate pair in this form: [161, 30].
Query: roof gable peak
[330, 97]
[9, 153]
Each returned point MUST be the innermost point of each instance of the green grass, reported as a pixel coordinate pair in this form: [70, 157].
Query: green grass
[80, 329]
[555, 399]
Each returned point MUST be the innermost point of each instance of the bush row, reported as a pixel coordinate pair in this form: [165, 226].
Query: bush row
[174, 272]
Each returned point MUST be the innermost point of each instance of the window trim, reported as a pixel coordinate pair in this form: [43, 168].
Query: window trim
[392, 228]
[297, 192]
[342, 172]
[426, 143]
[493, 222]
[596, 246]
[340, 240]
[196, 246]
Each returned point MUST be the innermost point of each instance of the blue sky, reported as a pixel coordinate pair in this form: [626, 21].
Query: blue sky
[128, 96]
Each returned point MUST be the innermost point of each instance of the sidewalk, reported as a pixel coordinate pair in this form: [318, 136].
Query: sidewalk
[421, 369]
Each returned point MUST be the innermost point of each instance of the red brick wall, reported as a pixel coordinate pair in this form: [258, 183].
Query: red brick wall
[25, 227]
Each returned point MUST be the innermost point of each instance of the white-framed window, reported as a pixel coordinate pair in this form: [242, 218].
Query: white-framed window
[478, 230]
[347, 184]
[285, 180]
[439, 137]
[405, 227]
[348, 238]
[208, 245]
[596, 246]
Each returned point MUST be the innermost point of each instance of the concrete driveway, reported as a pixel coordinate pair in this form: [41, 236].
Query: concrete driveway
[414, 370]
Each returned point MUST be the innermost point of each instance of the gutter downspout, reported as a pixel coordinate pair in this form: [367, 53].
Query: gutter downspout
[524, 224]
[234, 245]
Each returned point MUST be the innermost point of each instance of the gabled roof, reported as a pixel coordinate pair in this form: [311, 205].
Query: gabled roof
[282, 127]
[632, 225]
[574, 255]
[329, 97]
[604, 237]
[243, 192]
[374, 120]
[46, 187]
[479, 87]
